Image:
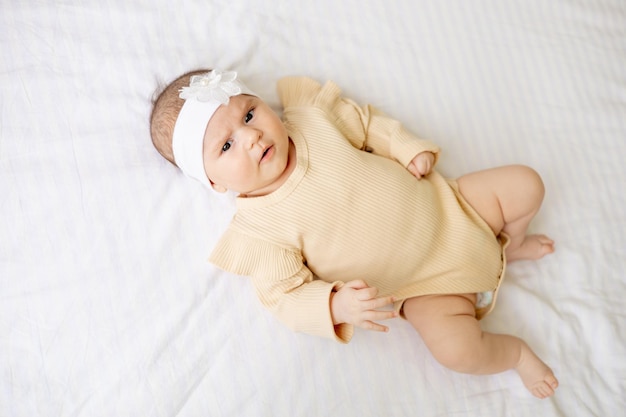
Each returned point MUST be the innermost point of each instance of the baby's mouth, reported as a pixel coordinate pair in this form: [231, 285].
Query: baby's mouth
[266, 152]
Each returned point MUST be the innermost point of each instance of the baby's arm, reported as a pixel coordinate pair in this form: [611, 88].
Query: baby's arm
[356, 303]
[285, 285]
[388, 137]
[365, 127]
[382, 135]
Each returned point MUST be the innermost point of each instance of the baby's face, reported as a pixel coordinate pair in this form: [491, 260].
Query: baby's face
[246, 147]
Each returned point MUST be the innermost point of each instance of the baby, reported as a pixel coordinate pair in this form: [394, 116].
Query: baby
[340, 215]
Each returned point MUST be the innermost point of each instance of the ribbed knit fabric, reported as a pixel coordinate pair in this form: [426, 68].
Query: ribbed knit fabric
[346, 214]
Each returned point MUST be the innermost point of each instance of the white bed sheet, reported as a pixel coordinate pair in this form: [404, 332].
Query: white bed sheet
[107, 304]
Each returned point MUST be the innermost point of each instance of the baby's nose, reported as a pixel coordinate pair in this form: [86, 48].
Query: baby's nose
[251, 135]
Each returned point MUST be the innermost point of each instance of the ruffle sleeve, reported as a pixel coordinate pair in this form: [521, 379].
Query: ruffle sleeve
[283, 283]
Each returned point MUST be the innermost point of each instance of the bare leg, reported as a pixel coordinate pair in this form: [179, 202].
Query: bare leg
[508, 198]
[448, 326]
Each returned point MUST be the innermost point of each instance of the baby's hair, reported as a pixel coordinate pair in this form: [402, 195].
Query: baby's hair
[165, 109]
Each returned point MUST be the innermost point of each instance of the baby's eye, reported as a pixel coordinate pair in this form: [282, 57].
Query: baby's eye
[249, 116]
[227, 146]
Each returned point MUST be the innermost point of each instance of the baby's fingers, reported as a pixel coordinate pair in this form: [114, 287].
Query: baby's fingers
[378, 315]
[373, 316]
[370, 325]
[377, 327]
[366, 294]
[414, 170]
[375, 303]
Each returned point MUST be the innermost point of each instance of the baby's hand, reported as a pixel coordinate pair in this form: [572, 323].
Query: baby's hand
[422, 164]
[356, 303]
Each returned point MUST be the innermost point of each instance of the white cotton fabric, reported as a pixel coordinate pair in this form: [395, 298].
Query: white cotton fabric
[188, 138]
[107, 304]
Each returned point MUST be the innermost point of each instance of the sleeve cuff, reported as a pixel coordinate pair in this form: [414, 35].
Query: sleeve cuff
[407, 146]
[312, 315]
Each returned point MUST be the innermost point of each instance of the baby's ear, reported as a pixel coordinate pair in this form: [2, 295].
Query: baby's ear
[218, 188]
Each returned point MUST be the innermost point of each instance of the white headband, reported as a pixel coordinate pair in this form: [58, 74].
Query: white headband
[204, 95]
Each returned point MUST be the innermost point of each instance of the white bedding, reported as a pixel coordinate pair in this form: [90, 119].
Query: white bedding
[107, 304]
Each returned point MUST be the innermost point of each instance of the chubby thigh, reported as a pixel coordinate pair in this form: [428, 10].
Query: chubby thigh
[448, 325]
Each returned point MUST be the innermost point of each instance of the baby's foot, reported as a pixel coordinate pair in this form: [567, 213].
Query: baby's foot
[535, 374]
[532, 247]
